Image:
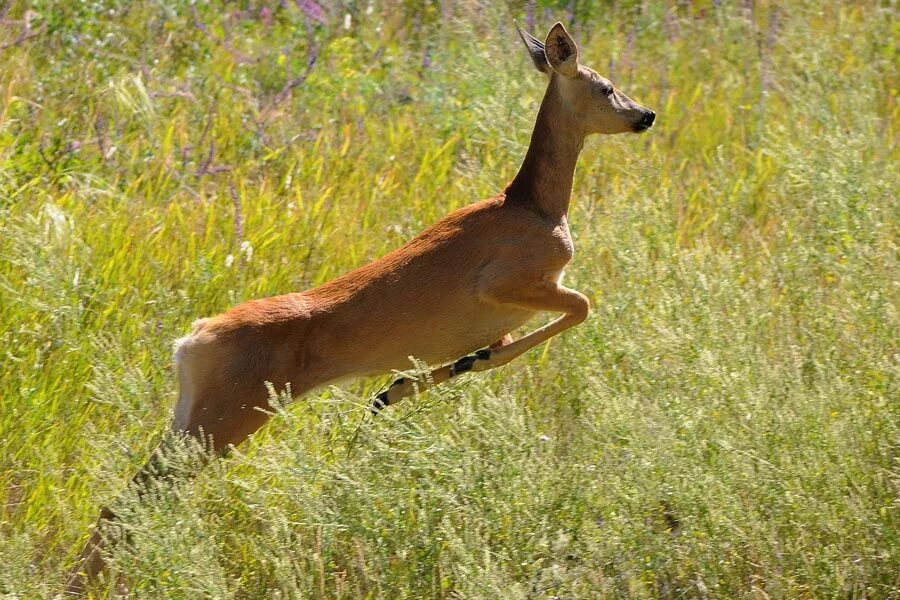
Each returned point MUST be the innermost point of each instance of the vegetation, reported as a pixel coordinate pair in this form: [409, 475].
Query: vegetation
[725, 425]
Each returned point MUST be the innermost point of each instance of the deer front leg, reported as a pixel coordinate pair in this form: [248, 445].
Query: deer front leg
[544, 295]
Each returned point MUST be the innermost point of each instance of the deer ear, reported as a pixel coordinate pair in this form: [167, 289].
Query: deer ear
[561, 51]
[535, 49]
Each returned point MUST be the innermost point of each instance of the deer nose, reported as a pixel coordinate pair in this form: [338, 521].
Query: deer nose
[644, 123]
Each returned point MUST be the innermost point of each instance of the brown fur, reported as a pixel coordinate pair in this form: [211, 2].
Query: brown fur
[462, 284]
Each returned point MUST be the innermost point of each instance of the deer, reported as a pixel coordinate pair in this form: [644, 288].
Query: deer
[451, 297]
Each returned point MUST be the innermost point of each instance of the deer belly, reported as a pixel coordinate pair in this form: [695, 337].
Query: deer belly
[445, 340]
[437, 330]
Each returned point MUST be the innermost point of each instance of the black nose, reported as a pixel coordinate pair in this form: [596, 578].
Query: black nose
[645, 121]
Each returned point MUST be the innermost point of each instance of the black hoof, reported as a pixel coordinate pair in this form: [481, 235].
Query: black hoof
[467, 362]
[380, 402]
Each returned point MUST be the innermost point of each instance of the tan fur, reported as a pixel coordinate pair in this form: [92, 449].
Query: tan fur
[462, 284]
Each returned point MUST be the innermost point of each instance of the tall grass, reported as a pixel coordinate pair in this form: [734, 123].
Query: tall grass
[724, 425]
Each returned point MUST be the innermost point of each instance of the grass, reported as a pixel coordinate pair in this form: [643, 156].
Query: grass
[724, 425]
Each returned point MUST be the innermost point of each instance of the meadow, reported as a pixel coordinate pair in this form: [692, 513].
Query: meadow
[725, 424]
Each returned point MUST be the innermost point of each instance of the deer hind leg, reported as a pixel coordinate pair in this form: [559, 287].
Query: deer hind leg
[210, 409]
[543, 296]
[223, 398]
[506, 340]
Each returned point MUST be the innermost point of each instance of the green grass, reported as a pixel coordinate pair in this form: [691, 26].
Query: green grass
[726, 423]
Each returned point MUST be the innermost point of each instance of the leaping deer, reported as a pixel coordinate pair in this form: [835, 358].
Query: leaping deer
[457, 289]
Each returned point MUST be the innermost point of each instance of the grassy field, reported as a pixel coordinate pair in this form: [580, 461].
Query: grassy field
[726, 423]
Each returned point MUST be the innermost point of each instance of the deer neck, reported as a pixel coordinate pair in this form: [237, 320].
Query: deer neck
[544, 182]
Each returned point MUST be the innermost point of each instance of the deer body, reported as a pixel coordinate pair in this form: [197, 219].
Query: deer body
[431, 299]
[464, 283]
